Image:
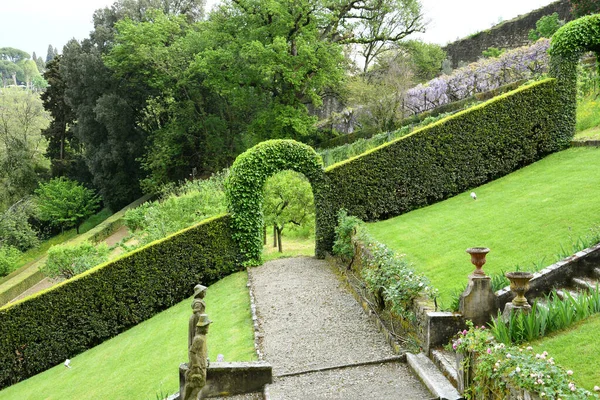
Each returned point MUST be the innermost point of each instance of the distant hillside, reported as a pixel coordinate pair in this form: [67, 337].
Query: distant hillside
[509, 34]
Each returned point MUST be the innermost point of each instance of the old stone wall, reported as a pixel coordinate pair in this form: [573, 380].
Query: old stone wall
[509, 34]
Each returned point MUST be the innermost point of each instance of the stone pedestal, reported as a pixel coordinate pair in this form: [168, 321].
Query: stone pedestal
[511, 308]
[478, 302]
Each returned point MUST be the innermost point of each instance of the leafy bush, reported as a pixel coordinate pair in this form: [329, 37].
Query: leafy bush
[15, 229]
[70, 260]
[498, 368]
[179, 207]
[9, 257]
[45, 329]
[344, 231]
[545, 27]
[388, 276]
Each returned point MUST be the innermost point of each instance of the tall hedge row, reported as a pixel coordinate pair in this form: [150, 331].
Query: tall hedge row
[450, 156]
[44, 330]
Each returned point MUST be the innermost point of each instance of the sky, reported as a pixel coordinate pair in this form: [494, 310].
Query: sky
[31, 25]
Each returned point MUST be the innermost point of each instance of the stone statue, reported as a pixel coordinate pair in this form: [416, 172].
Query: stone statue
[195, 376]
[198, 307]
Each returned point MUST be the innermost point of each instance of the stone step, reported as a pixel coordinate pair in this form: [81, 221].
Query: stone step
[432, 378]
[446, 362]
[596, 273]
[583, 283]
[562, 293]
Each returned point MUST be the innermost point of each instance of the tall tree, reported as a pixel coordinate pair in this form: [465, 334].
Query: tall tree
[50, 54]
[22, 146]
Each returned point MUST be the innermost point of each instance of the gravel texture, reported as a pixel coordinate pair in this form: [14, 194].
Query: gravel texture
[376, 382]
[309, 320]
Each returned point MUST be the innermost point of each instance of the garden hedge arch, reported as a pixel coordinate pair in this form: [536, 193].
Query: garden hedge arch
[567, 46]
[245, 185]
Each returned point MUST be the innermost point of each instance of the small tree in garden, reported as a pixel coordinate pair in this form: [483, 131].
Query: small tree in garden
[8, 259]
[545, 27]
[65, 203]
[288, 200]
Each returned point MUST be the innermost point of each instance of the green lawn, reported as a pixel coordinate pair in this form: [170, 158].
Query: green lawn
[524, 218]
[576, 349]
[143, 362]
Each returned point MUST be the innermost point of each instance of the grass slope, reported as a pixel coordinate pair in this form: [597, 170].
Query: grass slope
[576, 349]
[143, 362]
[524, 218]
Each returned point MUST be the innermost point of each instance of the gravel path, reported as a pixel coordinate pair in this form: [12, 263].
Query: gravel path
[309, 321]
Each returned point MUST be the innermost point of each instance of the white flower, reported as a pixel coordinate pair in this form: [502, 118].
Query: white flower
[517, 369]
[596, 388]
[569, 372]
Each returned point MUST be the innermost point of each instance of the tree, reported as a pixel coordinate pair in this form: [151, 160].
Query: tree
[580, 8]
[65, 203]
[545, 27]
[22, 147]
[69, 260]
[50, 54]
[15, 229]
[13, 55]
[386, 22]
[288, 199]
[425, 58]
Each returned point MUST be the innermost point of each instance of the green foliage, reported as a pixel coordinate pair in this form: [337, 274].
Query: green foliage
[498, 368]
[69, 260]
[15, 229]
[450, 156]
[345, 229]
[22, 162]
[244, 189]
[65, 203]
[9, 258]
[568, 44]
[545, 27]
[492, 52]
[288, 199]
[580, 8]
[45, 329]
[425, 58]
[554, 315]
[387, 275]
[179, 207]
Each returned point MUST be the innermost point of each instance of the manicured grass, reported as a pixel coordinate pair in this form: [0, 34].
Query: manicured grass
[576, 349]
[589, 134]
[524, 218]
[292, 247]
[143, 361]
[588, 113]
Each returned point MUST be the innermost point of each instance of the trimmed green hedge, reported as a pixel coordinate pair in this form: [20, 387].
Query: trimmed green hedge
[245, 185]
[45, 329]
[567, 46]
[448, 157]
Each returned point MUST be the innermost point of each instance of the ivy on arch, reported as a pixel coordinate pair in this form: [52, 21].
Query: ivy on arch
[567, 46]
[244, 189]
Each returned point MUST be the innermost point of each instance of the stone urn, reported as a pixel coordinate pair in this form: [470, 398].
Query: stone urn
[519, 285]
[478, 259]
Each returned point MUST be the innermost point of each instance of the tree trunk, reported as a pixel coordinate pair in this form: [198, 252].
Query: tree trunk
[274, 235]
[279, 239]
[264, 235]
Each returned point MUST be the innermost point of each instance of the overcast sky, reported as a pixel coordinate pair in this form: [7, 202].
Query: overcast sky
[31, 25]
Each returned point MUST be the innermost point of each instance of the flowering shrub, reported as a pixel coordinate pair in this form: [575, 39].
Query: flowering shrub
[522, 63]
[498, 368]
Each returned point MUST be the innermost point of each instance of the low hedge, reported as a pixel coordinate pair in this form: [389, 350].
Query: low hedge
[448, 157]
[45, 329]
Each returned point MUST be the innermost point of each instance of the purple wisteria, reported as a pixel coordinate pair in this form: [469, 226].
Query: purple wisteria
[487, 74]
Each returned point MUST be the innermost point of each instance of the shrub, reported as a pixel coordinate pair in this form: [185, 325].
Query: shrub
[390, 278]
[448, 157]
[9, 258]
[498, 368]
[15, 229]
[70, 260]
[45, 329]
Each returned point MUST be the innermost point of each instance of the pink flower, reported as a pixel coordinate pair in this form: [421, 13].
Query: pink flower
[489, 351]
[464, 332]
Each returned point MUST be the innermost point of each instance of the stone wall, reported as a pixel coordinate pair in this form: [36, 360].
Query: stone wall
[509, 34]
